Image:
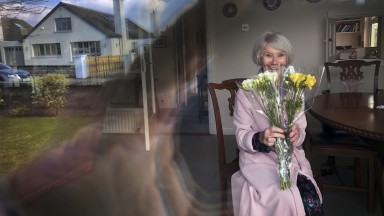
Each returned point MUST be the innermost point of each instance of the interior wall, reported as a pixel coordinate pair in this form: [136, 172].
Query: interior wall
[303, 22]
[195, 46]
[165, 71]
[168, 61]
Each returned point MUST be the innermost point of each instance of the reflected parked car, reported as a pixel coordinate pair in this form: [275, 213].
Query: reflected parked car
[10, 75]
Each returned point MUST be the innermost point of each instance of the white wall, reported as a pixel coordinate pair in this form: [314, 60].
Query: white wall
[229, 51]
[81, 31]
[110, 46]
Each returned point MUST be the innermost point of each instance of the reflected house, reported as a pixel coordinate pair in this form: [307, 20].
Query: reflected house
[69, 30]
[12, 32]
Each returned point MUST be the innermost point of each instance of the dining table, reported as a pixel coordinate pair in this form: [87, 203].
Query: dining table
[358, 113]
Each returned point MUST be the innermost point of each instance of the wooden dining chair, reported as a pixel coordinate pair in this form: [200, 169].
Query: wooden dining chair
[339, 144]
[320, 144]
[226, 168]
[352, 74]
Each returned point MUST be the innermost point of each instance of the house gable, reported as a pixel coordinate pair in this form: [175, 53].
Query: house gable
[68, 31]
[102, 22]
[57, 45]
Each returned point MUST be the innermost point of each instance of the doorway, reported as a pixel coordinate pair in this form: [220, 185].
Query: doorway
[355, 36]
[190, 61]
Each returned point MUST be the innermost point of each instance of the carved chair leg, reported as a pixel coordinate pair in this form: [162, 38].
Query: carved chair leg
[357, 172]
[223, 196]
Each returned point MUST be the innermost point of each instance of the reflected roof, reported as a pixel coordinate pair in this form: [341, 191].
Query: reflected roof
[14, 29]
[103, 22]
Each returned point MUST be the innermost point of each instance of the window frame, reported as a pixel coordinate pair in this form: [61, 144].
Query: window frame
[63, 24]
[92, 48]
[373, 36]
[46, 50]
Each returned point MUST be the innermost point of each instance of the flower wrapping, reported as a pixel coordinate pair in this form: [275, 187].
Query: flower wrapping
[281, 98]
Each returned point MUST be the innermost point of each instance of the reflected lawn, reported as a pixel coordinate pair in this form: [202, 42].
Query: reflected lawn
[22, 140]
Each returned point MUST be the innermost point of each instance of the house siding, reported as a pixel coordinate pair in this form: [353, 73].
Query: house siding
[81, 31]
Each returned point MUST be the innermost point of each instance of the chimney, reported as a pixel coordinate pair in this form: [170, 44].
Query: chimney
[120, 25]
[1, 30]
[155, 23]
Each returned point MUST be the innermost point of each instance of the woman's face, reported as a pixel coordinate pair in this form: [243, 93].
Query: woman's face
[272, 59]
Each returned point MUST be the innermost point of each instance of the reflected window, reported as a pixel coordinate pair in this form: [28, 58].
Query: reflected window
[373, 31]
[52, 49]
[18, 25]
[63, 24]
[86, 48]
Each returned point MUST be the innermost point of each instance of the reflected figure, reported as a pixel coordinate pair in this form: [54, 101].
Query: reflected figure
[94, 173]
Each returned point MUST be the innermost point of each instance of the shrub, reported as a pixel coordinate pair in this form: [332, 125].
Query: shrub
[50, 91]
[20, 110]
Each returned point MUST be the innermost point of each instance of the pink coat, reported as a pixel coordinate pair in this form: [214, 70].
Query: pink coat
[256, 187]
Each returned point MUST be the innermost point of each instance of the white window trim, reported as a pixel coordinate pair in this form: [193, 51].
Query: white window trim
[45, 46]
[63, 18]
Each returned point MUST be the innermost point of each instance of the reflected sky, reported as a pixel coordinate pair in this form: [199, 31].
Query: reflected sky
[137, 10]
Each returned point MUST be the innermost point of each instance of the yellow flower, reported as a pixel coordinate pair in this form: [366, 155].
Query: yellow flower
[297, 78]
[310, 81]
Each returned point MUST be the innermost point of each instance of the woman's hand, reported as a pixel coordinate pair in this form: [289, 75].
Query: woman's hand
[269, 135]
[294, 135]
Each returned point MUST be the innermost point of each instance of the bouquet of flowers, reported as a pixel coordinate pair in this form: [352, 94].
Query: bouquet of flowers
[281, 97]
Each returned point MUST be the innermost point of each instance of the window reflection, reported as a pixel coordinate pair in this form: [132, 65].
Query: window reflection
[371, 102]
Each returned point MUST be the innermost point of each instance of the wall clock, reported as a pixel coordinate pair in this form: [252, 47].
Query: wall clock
[229, 9]
[271, 4]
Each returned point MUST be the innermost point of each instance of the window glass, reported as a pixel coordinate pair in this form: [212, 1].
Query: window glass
[58, 48]
[42, 50]
[86, 48]
[46, 49]
[374, 28]
[63, 24]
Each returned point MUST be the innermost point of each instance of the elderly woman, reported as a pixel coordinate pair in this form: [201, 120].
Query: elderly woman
[256, 187]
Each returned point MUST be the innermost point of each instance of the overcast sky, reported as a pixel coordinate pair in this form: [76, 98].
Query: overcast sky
[137, 10]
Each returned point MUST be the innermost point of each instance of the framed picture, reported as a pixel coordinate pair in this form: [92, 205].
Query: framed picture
[159, 42]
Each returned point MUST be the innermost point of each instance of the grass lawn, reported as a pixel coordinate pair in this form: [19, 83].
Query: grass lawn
[24, 139]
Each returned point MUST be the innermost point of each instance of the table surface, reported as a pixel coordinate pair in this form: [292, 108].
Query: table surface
[352, 112]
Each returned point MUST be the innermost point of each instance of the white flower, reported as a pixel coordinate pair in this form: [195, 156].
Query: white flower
[247, 84]
[270, 76]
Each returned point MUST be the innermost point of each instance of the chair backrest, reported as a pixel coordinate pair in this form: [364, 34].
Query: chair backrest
[352, 73]
[231, 87]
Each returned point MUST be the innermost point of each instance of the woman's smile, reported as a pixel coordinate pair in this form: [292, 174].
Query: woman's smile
[273, 59]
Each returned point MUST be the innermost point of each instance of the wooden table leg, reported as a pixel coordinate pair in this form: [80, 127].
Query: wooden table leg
[379, 182]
